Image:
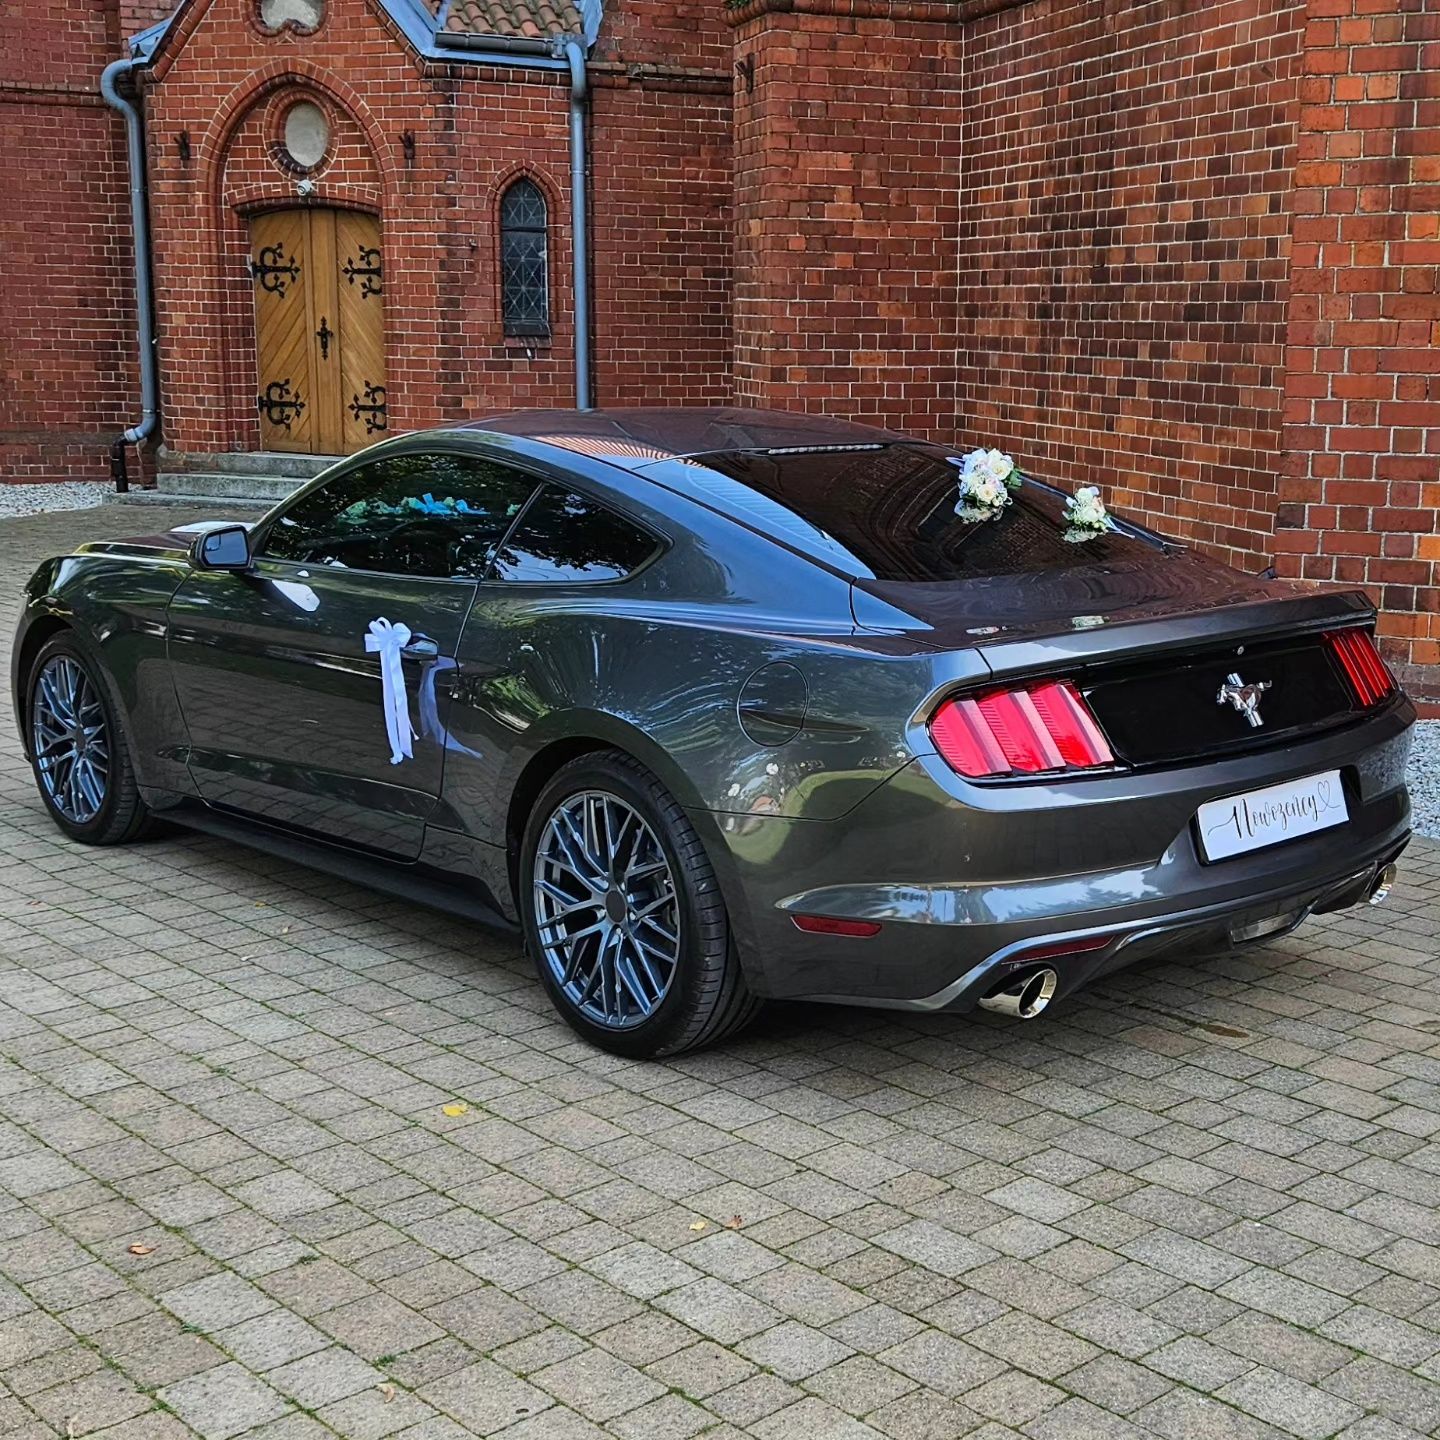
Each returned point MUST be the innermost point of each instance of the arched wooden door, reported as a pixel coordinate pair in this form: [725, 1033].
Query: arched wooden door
[319, 330]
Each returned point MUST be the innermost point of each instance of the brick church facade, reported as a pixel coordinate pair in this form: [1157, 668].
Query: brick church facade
[1189, 251]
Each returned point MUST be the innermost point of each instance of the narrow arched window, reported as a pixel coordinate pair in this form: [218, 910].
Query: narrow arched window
[524, 274]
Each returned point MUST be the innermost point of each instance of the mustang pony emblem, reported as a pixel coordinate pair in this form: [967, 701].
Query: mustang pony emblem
[1244, 698]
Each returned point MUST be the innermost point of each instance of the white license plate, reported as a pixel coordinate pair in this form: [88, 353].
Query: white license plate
[1270, 816]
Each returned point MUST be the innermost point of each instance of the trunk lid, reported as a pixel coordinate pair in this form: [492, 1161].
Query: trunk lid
[1149, 639]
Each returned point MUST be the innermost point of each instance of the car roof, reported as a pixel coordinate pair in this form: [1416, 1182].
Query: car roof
[635, 437]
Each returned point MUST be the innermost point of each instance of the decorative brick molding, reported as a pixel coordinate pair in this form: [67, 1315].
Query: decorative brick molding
[925, 11]
[942, 12]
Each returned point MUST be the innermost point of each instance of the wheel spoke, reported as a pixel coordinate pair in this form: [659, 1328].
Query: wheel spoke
[641, 960]
[565, 904]
[642, 870]
[661, 931]
[72, 791]
[595, 977]
[578, 858]
[54, 766]
[664, 955]
[627, 978]
[573, 937]
[85, 784]
[70, 674]
[643, 912]
[53, 701]
[605, 968]
[47, 743]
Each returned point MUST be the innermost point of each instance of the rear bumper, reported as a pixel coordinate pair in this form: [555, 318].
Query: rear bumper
[961, 877]
[1207, 930]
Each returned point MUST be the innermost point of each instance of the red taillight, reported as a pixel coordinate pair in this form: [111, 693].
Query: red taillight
[1027, 730]
[1369, 677]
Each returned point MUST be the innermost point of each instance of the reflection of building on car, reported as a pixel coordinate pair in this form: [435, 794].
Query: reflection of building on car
[726, 704]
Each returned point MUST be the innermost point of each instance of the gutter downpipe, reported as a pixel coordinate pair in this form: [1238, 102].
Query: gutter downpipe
[144, 295]
[574, 52]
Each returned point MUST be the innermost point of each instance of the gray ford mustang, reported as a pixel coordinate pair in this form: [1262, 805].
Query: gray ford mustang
[727, 704]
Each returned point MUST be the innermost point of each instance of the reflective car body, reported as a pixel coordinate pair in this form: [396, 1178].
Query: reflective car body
[780, 681]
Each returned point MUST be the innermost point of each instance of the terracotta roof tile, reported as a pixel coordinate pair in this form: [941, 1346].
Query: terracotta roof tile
[534, 18]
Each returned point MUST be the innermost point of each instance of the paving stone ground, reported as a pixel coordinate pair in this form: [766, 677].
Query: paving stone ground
[1197, 1203]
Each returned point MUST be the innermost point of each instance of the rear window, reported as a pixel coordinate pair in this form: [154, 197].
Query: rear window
[888, 513]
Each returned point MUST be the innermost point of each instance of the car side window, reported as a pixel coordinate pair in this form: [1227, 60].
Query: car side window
[563, 538]
[436, 516]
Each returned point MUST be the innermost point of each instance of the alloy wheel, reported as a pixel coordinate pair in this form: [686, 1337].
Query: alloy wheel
[70, 740]
[607, 910]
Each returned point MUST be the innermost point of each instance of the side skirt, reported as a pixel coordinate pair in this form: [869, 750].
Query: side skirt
[456, 893]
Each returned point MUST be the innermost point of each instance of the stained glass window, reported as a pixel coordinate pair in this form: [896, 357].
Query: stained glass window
[524, 278]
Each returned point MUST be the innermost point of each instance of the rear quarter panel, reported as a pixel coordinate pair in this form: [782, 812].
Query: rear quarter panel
[657, 666]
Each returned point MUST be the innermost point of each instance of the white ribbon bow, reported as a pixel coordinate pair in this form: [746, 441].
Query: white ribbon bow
[389, 640]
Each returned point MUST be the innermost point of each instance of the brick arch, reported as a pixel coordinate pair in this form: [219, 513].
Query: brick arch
[557, 197]
[281, 74]
[237, 179]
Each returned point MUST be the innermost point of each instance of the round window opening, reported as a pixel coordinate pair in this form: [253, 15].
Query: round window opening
[307, 134]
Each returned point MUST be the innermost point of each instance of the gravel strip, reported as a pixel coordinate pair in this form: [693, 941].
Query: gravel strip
[63, 495]
[1424, 778]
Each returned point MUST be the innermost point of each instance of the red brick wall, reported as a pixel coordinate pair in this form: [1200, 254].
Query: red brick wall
[662, 240]
[67, 330]
[660, 146]
[847, 147]
[1362, 476]
[1124, 247]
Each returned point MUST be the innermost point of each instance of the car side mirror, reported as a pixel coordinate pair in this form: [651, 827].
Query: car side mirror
[225, 548]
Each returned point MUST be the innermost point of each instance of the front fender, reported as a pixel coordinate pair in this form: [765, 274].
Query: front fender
[41, 615]
[115, 607]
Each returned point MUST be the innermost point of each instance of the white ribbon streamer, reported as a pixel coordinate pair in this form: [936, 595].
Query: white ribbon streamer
[388, 641]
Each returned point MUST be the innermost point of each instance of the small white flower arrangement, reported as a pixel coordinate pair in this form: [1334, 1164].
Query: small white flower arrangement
[987, 478]
[1086, 515]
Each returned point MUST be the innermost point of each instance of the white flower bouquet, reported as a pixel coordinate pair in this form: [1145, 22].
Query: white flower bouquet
[986, 479]
[1086, 515]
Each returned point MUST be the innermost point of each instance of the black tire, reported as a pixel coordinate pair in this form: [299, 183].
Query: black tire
[122, 815]
[707, 999]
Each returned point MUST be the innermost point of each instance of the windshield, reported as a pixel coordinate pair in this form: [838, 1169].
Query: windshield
[887, 512]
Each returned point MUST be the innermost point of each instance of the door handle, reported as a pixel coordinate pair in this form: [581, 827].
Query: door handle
[422, 647]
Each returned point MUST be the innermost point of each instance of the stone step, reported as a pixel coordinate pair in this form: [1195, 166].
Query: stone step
[247, 492]
[268, 463]
[269, 488]
[238, 506]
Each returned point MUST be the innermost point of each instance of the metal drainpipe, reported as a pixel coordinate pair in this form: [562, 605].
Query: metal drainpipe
[574, 53]
[144, 299]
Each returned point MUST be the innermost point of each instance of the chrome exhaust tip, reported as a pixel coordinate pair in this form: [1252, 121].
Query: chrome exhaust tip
[1024, 997]
[1384, 884]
